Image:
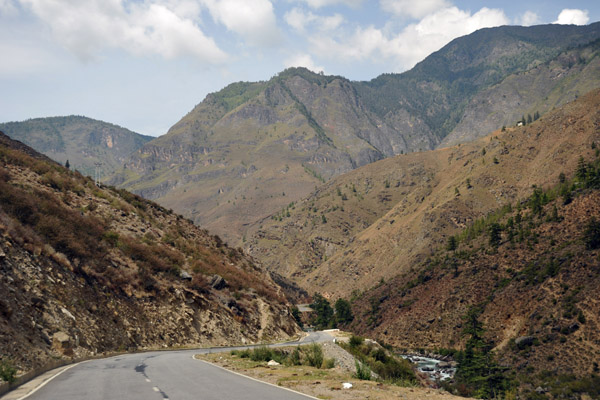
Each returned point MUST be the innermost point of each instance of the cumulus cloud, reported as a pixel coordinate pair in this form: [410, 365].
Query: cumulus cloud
[301, 20]
[166, 28]
[413, 43]
[411, 8]
[323, 3]
[572, 17]
[302, 60]
[528, 18]
[253, 19]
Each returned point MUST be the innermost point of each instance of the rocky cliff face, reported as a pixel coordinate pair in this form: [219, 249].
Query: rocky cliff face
[535, 91]
[83, 141]
[227, 165]
[88, 270]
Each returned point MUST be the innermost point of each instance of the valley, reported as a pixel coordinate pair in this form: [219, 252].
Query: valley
[452, 209]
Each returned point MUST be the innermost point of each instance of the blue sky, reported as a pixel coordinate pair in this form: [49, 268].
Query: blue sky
[143, 64]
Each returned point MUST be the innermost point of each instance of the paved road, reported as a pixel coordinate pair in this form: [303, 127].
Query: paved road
[162, 375]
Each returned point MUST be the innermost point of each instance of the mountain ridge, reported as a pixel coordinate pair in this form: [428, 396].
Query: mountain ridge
[83, 141]
[299, 128]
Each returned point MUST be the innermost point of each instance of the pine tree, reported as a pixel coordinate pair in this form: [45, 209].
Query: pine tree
[561, 177]
[591, 234]
[581, 171]
[477, 368]
[452, 243]
[537, 201]
[67, 165]
[343, 311]
[495, 231]
[324, 313]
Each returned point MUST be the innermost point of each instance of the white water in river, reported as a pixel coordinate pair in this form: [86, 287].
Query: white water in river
[430, 366]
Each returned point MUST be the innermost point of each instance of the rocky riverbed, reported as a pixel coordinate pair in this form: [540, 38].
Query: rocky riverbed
[438, 369]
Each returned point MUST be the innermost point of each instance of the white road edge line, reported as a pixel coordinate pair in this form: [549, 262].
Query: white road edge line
[50, 379]
[257, 380]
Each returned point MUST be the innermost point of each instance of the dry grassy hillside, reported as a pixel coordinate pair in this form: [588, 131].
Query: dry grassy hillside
[87, 269]
[432, 195]
[535, 282]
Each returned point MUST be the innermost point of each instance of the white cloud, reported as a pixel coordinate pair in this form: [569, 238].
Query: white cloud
[8, 7]
[300, 20]
[302, 60]
[413, 43]
[323, 3]
[166, 28]
[253, 19]
[411, 8]
[528, 18]
[572, 17]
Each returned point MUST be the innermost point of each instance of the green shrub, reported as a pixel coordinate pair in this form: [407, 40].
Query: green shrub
[363, 372]
[244, 353]
[314, 355]
[295, 358]
[261, 353]
[356, 341]
[111, 237]
[328, 363]
[8, 373]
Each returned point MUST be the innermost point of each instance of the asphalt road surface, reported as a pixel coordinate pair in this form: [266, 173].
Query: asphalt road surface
[162, 375]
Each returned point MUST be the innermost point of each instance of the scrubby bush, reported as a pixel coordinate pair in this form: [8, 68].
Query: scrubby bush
[314, 355]
[8, 373]
[295, 357]
[375, 358]
[261, 353]
[363, 372]
[356, 341]
[245, 353]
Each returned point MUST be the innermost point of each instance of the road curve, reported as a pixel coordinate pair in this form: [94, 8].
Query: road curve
[162, 375]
